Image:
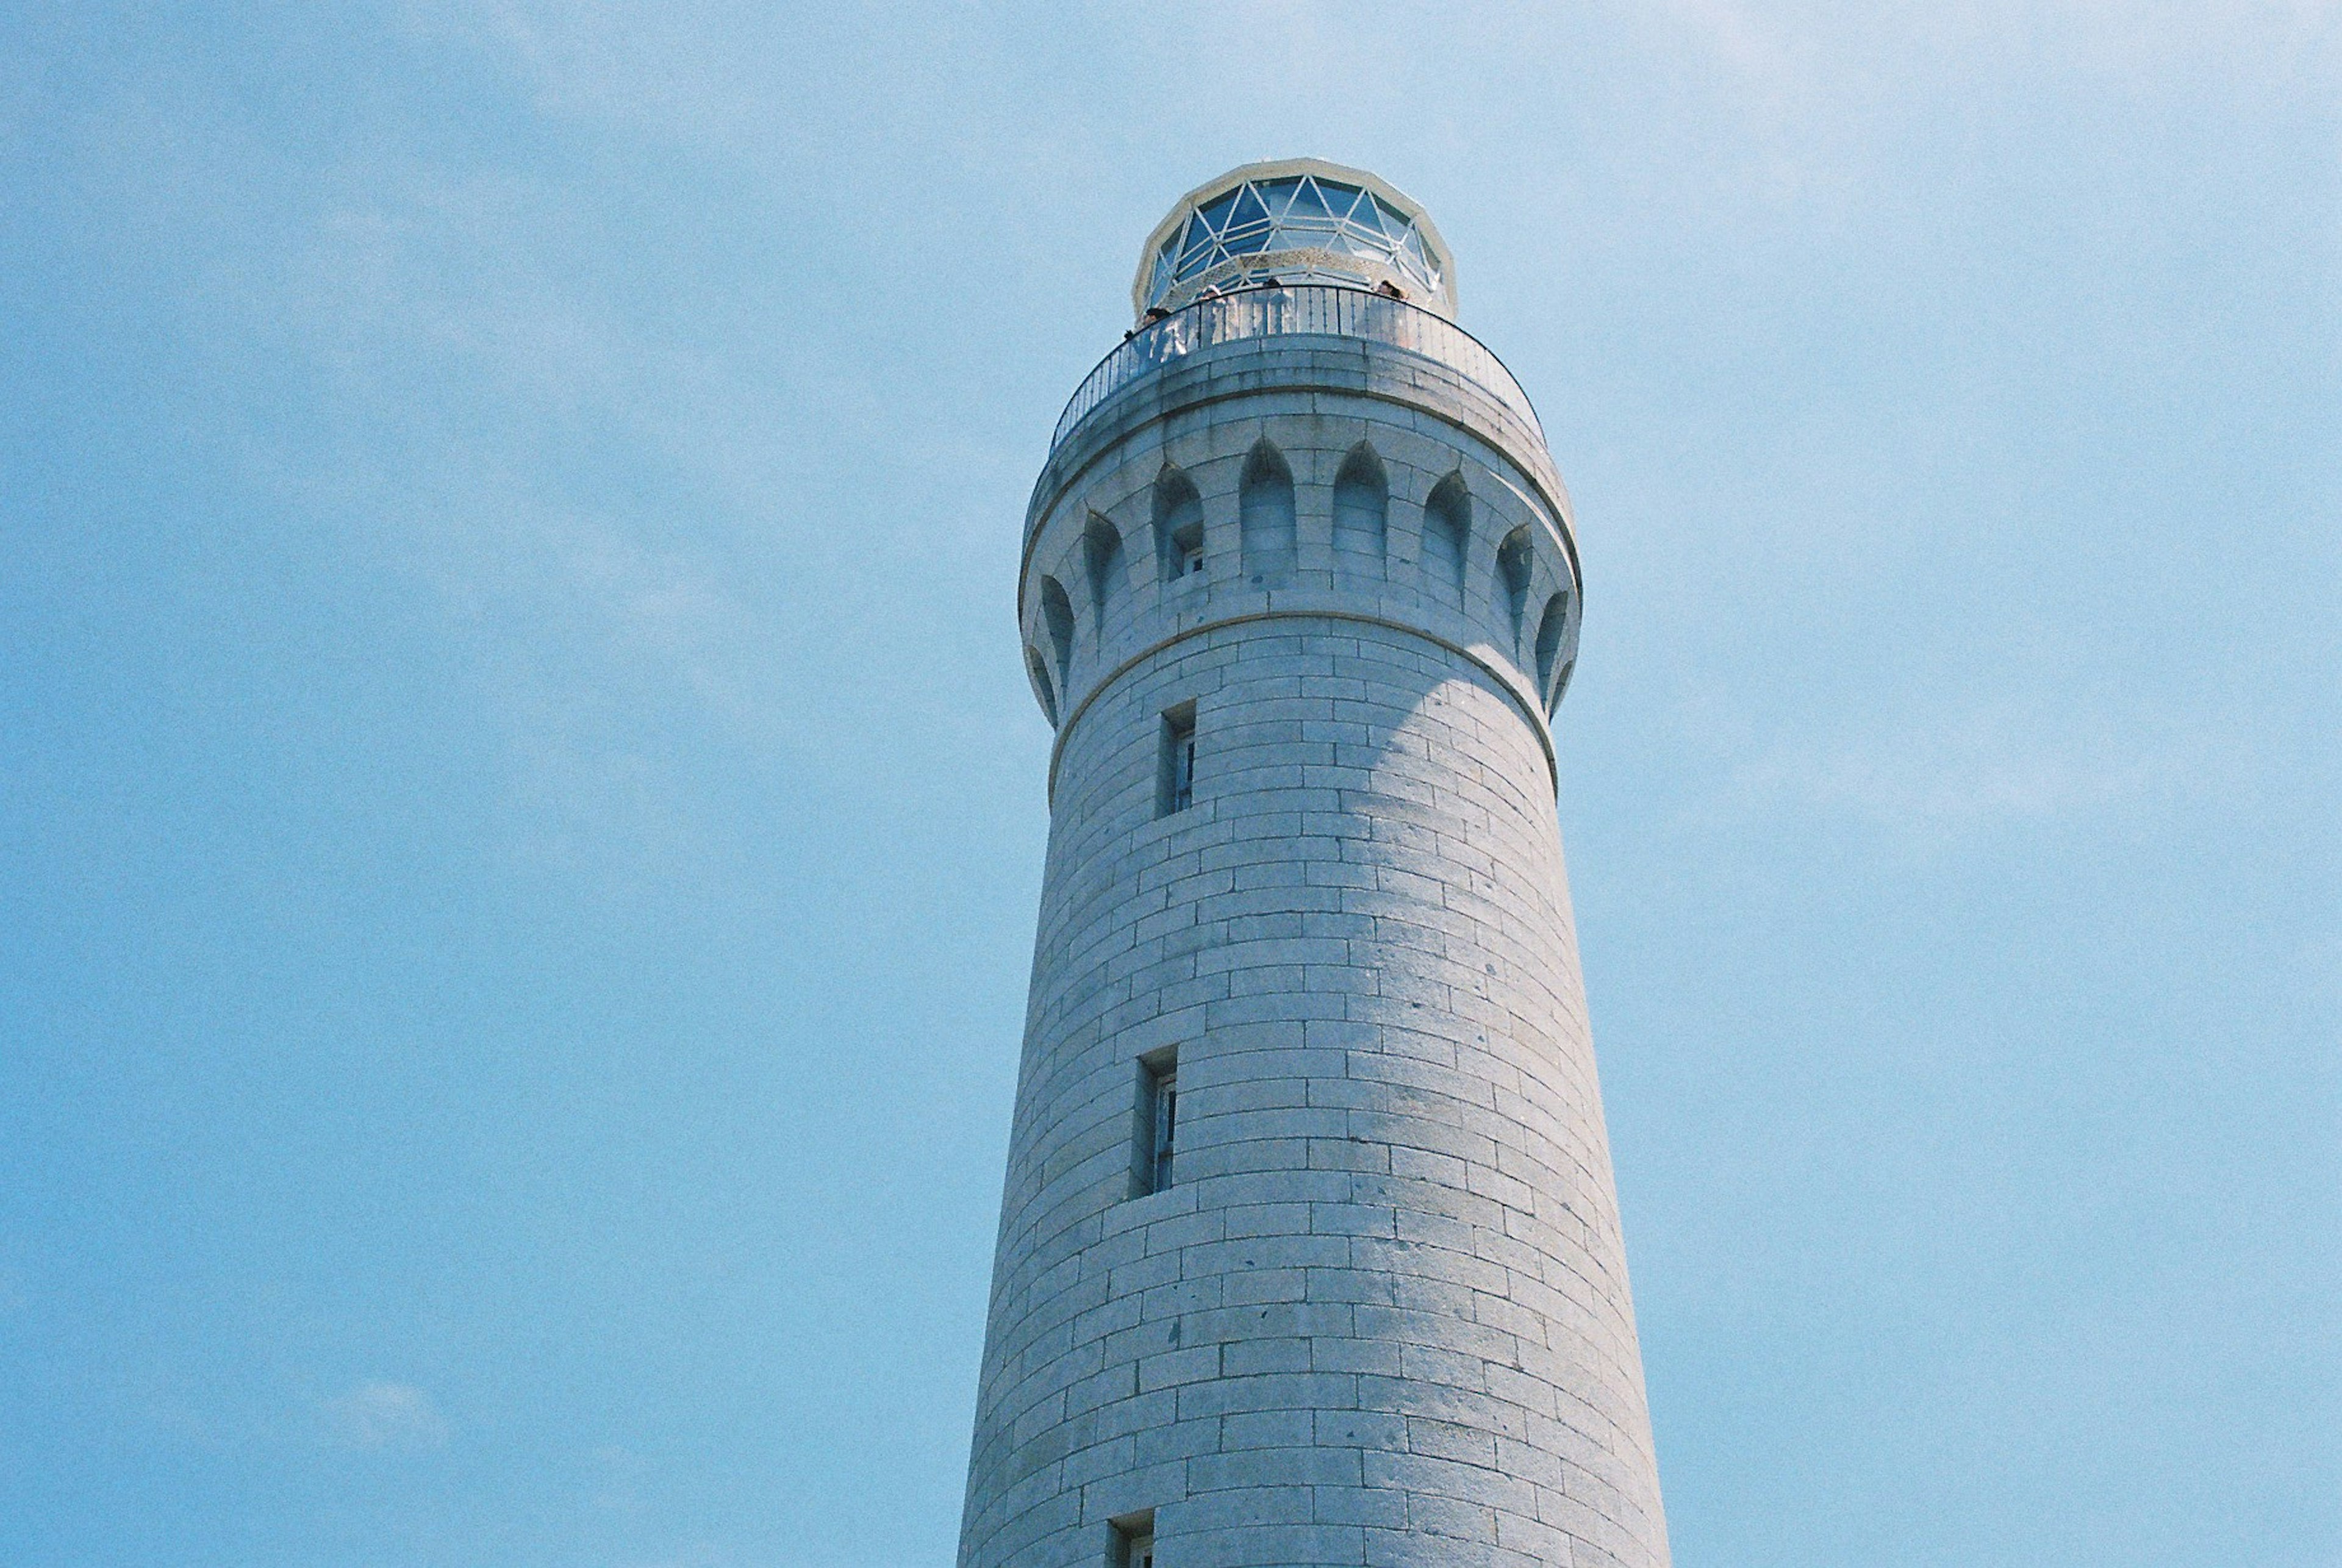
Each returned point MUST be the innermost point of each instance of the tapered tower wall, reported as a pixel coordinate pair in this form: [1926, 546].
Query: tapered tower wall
[1380, 1315]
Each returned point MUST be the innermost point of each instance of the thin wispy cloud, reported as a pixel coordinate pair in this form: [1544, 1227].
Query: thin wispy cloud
[385, 1417]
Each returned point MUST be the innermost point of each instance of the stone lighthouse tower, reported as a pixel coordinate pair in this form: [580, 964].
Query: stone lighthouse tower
[1309, 1250]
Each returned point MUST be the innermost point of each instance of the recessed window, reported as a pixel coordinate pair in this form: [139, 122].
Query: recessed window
[1157, 1121]
[1175, 773]
[1188, 551]
[1134, 1541]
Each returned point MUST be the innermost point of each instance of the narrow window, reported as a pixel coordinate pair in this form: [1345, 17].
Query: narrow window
[1179, 525]
[1189, 543]
[1447, 534]
[1157, 1121]
[1174, 774]
[1134, 1541]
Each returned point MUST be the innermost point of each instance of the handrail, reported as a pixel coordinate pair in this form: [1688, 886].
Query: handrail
[1327, 310]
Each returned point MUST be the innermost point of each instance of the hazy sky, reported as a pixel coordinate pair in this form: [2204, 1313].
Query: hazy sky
[521, 818]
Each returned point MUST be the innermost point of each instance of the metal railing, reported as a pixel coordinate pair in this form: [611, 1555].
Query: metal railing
[1326, 310]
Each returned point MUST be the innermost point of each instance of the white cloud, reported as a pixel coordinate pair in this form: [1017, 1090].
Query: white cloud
[385, 1417]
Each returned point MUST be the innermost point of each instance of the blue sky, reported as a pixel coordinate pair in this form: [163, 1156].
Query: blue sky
[520, 817]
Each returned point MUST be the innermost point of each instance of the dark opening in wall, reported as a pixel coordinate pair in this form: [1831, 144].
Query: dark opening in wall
[1188, 551]
[1155, 1126]
[1174, 769]
[1132, 1543]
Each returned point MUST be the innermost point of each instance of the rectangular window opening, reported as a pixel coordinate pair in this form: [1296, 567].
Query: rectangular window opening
[1134, 1541]
[1175, 788]
[1187, 547]
[1156, 1123]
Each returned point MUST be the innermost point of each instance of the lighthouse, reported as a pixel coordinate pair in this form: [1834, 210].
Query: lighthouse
[1309, 1249]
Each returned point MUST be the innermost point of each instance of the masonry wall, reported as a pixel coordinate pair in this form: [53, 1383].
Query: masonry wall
[1381, 1316]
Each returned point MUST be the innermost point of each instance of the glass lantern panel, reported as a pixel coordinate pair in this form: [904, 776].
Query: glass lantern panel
[1198, 242]
[1411, 252]
[1248, 210]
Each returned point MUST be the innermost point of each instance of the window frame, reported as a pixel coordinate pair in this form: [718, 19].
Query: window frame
[1130, 1541]
[1175, 764]
[1154, 1123]
[1188, 542]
